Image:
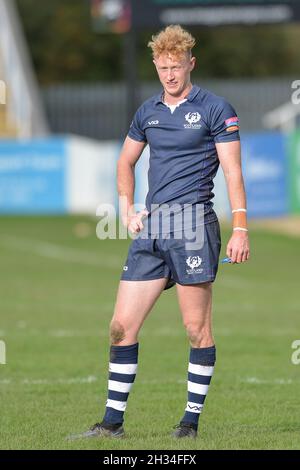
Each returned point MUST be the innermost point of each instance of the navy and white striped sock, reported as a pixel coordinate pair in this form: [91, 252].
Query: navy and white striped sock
[122, 372]
[201, 367]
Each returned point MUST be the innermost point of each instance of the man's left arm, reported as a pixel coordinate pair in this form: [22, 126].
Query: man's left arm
[229, 154]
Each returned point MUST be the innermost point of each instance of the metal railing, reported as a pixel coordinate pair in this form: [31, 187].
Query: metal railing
[99, 110]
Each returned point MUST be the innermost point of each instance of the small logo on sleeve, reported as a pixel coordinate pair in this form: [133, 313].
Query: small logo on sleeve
[153, 123]
[232, 124]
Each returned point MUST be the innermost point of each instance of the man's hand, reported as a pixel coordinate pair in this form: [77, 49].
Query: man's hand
[134, 221]
[238, 247]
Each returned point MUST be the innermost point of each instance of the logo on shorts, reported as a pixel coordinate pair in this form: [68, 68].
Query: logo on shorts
[192, 118]
[125, 268]
[194, 262]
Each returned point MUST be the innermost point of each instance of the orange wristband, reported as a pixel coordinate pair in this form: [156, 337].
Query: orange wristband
[239, 219]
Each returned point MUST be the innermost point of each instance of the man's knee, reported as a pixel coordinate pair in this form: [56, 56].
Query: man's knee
[198, 334]
[117, 332]
[194, 331]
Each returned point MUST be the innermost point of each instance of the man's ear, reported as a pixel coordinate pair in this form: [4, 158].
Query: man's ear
[193, 63]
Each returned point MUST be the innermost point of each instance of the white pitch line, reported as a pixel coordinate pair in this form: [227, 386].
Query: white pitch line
[60, 252]
[5, 381]
[91, 379]
[75, 334]
[257, 381]
[233, 282]
[73, 380]
[82, 380]
[70, 381]
[159, 332]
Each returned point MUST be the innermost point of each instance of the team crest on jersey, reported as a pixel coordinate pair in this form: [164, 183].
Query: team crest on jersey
[194, 263]
[192, 119]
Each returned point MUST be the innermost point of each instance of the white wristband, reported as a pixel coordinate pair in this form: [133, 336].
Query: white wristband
[240, 228]
[239, 210]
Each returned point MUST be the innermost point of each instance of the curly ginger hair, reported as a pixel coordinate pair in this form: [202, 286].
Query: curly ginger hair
[173, 40]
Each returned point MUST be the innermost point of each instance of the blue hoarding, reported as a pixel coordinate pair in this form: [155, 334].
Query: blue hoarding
[32, 176]
[265, 168]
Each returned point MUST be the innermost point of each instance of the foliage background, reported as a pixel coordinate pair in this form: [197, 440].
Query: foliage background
[65, 49]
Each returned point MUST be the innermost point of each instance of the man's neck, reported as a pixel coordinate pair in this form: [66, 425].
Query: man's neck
[169, 99]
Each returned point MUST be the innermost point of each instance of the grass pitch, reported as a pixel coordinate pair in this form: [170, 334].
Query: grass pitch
[58, 285]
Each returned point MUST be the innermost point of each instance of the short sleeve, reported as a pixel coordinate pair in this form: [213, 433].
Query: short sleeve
[136, 131]
[224, 123]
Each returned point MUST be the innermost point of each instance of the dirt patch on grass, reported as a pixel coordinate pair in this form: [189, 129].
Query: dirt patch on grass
[289, 225]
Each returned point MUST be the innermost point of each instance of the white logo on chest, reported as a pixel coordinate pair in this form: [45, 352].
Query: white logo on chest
[192, 118]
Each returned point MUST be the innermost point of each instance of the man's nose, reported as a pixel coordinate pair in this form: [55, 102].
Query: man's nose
[170, 74]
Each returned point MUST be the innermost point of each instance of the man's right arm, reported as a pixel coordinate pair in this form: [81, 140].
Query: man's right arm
[130, 153]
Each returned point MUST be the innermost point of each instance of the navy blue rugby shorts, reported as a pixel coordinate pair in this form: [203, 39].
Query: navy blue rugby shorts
[171, 258]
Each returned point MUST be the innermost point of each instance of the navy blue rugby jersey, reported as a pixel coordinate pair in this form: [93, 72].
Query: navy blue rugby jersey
[183, 156]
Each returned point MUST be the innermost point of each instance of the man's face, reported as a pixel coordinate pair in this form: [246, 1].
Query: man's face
[174, 72]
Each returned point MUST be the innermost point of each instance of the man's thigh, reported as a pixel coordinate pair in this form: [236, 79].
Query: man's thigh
[195, 303]
[134, 301]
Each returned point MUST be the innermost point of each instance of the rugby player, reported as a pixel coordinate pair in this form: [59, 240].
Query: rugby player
[190, 131]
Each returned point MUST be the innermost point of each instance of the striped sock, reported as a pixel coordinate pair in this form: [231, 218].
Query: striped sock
[201, 367]
[122, 371]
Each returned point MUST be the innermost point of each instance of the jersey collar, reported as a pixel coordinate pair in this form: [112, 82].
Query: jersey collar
[190, 97]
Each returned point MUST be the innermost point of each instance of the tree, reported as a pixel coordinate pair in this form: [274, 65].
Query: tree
[65, 49]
